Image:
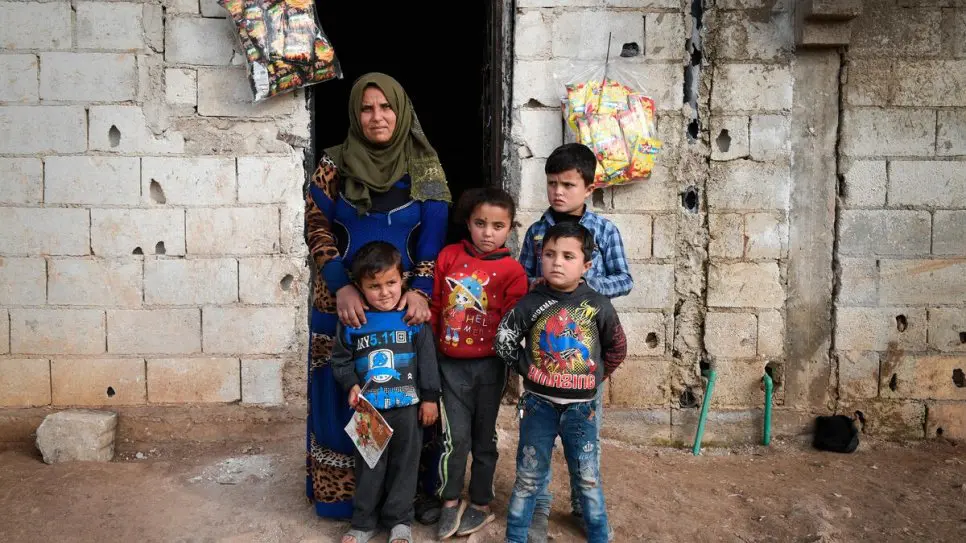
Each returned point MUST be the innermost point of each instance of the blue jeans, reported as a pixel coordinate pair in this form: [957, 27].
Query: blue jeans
[544, 499]
[576, 424]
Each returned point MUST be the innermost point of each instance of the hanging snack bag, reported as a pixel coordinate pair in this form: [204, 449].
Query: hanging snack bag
[283, 44]
[609, 146]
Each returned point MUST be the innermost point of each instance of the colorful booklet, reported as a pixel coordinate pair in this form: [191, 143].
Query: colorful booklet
[369, 431]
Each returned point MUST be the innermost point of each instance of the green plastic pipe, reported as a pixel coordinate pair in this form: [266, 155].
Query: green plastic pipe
[711, 375]
[769, 388]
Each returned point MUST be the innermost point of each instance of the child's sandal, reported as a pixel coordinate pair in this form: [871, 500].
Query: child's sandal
[401, 532]
[361, 536]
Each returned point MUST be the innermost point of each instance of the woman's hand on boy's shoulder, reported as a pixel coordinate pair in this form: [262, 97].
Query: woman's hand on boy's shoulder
[416, 305]
[428, 413]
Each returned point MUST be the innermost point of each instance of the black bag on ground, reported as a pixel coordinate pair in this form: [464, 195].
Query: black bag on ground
[836, 433]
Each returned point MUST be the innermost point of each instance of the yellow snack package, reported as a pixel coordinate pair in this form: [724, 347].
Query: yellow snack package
[609, 145]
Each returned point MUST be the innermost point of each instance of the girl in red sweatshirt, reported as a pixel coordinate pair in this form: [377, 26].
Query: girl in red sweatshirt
[477, 282]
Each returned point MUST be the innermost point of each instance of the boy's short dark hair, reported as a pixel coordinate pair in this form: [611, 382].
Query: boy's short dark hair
[473, 198]
[573, 230]
[375, 257]
[573, 156]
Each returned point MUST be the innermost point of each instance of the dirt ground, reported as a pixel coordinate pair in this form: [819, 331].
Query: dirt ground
[254, 493]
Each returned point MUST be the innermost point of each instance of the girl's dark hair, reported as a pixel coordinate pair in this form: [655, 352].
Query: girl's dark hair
[573, 230]
[473, 198]
[375, 257]
[573, 156]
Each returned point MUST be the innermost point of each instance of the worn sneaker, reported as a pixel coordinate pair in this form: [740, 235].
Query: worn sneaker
[579, 518]
[427, 509]
[449, 520]
[473, 520]
[539, 526]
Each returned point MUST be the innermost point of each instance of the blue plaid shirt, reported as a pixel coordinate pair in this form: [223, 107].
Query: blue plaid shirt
[609, 274]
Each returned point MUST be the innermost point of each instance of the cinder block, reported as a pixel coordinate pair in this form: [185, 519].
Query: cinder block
[583, 34]
[879, 329]
[752, 87]
[947, 233]
[210, 8]
[663, 35]
[533, 80]
[269, 180]
[927, 183]
[766, 236]
[22, 180]
[858, 374]
[272, 280]
[57, 331]
[249, 330]
[897, 33]
[955, 21]
[947, 329]
[532, 34]
[194, 380]
[731, 335]
[541, 130]
[946, 420]
[533, 185]
[923, 377]
[109, 25]
[916, 282]
[745, 285]
[34, 25]
[77, 435]
[225, 92]
[888, 419]
[188, 181]
[646, 333]
[743, 184]
[658, 193]
[206, 42]
[868, 81]
[931, 83]
[292, 228]
[770, 137]
[98, 382]
[261, 382]
[771, 334]
[123, 129]
[638, 426]
[88, 77]
[190, 282]
[182, 6]
[24, 382]
[730, 133]
[892, 232]
[662, 82]
[636, 234]
[740, 37]
[640, 383]
[154, 331]
[181, 87]
[23, 281]
[743, 4]
[888, 132]
[18, 78]
[665, 236]
[858, 281]
[865, 184]
[739, 383]
[52, 231]
[153, 21]
[653, 288]
[98, 282]
[43, 129]
[248, 231]
[727, 233]
[117, 232]
[94, 180]
[950, 140]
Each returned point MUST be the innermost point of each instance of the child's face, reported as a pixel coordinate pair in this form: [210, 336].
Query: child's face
[563, 263]
[566, 191]
[489, 227]
[382, 290]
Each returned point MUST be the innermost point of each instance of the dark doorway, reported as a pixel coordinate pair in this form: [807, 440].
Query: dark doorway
[443, 62]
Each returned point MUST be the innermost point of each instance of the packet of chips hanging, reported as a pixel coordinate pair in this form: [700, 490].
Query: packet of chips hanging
[283, 43]
[584, 137]
[609, 146]
[638, 126]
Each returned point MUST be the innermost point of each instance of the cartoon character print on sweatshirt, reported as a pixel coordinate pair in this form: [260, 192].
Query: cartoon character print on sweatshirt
[466, 307]
[561, 342]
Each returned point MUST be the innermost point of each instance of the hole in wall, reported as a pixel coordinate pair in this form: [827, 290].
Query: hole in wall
[939, 431]
[597, 197]
[962, 337]
[958, 378]
[110, 392]
[693, 128]
[723, 141]
[690, 199]
[159, 248]
[861, 417]
[842, 187]
[776, 370]
[901, 323]
[114, 136]
[894, 382]
[704, 366]
[137, 251]
[157, 193]
[630, 50]
[651, 340]
[533, 102]
[688, 399]
[286, 282]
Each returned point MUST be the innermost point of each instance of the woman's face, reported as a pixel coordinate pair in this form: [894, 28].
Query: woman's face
[377, 118]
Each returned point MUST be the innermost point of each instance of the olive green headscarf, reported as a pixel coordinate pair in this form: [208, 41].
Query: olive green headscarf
[365, 166]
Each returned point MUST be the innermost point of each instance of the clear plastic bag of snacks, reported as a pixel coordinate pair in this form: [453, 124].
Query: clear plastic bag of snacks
[606, 109]
[285, 48]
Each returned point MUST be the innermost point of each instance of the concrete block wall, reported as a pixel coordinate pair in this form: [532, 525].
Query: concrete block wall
[900, 319]
[150, 217]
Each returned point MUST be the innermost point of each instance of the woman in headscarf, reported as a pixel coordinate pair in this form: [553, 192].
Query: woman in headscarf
[384, 182]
